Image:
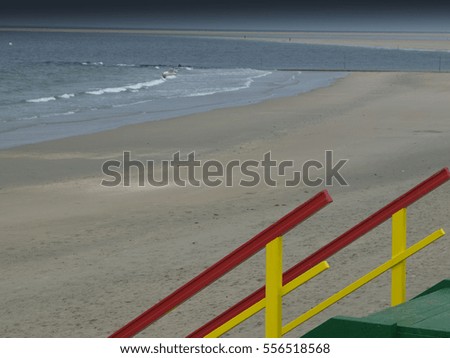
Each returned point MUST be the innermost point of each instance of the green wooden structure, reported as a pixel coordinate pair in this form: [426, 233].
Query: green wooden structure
[425, 316]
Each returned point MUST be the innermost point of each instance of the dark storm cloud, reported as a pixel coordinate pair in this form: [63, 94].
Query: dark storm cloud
[206, 6]
[244, 14]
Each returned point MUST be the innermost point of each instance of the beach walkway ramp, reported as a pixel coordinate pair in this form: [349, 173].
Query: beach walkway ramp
[425, 316]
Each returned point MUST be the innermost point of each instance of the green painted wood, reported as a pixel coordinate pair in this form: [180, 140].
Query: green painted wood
[408, 332]
[426, 315]
[437, 287]
[414, 311]
[347, 327]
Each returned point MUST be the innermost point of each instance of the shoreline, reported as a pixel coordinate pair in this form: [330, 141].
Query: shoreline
[434, 41]
[80, 260]
[140, 113]
[114, 118]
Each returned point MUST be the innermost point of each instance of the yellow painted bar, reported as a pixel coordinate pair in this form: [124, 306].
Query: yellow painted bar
[304, 277]
[363, 280]
[274, 283]
[300, 280]
[398, 280]
[236, 320]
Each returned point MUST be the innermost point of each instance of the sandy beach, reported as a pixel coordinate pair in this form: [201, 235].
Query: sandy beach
[80, 260]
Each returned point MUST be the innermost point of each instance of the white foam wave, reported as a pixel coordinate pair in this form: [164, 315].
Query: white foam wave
[50, 115]
[208, 93]
[107, 90]
[52, 98]
[246, 84]
[67, 95]
[26, 118]
[131, 104]
[141, 85]
[132, 87]
[100, 63]
[43, 99]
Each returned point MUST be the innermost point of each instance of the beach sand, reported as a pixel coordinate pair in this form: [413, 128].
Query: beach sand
[80, 260]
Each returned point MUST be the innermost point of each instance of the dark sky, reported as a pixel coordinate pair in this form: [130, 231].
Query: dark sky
[246, 14]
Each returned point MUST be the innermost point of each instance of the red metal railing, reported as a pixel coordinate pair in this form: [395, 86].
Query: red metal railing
[331, 248]
[229, 262]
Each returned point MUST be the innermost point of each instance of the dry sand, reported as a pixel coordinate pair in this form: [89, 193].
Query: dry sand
[80, 260]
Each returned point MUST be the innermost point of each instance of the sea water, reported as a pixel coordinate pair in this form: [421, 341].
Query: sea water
[56, 84]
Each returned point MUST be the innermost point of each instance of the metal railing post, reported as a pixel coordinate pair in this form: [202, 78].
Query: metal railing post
[274, 285]
[398, 279]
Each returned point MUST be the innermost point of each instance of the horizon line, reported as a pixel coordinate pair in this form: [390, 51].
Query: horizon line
[137, 30]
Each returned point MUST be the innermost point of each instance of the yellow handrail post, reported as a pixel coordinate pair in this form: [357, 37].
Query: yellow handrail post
[274, 283]
[398, 284]
[258, 306]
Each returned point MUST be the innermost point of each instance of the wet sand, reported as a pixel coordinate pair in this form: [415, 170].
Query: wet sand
[394, 40]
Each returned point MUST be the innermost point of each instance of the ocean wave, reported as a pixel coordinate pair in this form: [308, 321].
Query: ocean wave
[67, 95]
[68, 113]
[218, 90]
[51, 98]
[120, 64]
[247, 84]
[26, 118]
[88, 63]
[107, 90]
[131, 104]
[208, 93]
[43, 99]
[110, 90]
[132, 87]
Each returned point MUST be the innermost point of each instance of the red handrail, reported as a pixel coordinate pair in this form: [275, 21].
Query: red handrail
[211, 274]
[331, 248]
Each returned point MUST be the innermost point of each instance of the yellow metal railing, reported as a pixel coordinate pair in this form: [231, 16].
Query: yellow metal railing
[275, 289]
[398, 262]
[398, 285]
[274, 293]
[279, 284]
[274, 284]
[270, 297]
